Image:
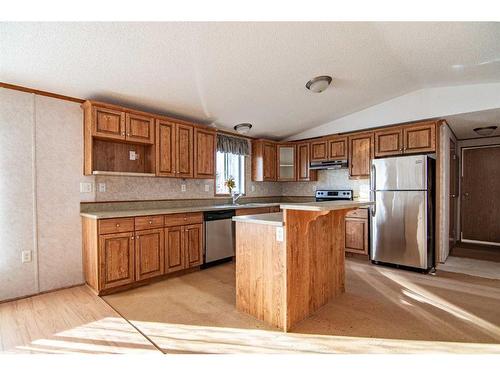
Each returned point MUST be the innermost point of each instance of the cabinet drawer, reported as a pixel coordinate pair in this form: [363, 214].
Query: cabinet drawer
[361, 213]
[116, 225]
[184, 218]
[148, 222]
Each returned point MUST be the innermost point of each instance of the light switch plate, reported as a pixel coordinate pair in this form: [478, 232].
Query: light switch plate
[207, 187]
[26, 256]
[183, 187]
[253, 188]
[102, 187]
[85, 187]
[279, 234]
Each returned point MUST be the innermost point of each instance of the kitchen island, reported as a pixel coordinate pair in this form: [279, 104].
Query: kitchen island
[290, 264]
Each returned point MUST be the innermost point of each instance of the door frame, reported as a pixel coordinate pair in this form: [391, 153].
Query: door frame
[460, 186]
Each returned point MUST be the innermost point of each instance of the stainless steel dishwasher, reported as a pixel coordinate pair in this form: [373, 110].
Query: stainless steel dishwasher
[219, 236]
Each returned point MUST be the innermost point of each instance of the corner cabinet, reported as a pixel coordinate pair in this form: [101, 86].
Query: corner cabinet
[121, 253]
[360, 155]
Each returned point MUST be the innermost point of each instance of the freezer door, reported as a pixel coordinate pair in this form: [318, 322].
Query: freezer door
[400, 173]
[399, 228]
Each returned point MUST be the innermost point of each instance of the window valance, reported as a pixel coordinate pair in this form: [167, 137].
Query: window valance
[233, 145]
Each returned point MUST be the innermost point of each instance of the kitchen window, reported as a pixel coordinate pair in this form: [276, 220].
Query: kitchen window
[229, 165]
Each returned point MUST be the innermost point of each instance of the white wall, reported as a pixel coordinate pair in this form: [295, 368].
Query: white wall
[416, 105]
[41, 156]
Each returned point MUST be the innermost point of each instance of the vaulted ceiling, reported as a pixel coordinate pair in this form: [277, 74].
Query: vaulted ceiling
[230, 73]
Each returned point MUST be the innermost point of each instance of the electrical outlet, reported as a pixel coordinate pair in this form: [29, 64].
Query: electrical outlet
[314, 187]
[132, 155]
[26, 256]
[253, 188]
[183, 188]
[279, 234]
[85, 187]
[207, 187]
[102, 187]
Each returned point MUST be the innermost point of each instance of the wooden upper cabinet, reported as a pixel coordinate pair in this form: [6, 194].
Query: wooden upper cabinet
[165, 148]
[116, 254]
[360, 154]
[108, 123]
[264, 160]
[184, 152]
[303, 171]
[139, 128]
[319, 150]
[149, 253]
[419, 138]
[337, 148]
[389, 142]
[286, 170]
[193, 245]
[204, 153]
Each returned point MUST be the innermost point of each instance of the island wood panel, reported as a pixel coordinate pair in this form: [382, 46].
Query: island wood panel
[140, 128]
[314, 261]
[149, 253]
[204, 153]
[253, 211]
[389, 142]
[260, 273]
[165, 148]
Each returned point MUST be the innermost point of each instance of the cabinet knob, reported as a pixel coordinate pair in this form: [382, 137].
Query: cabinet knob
[185, 218]
[150, 222]
[117, 225]
[132, 237]
[136, 237]
[128, 134]
[123, 133]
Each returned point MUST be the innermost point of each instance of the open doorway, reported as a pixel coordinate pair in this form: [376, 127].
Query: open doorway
[474, 195]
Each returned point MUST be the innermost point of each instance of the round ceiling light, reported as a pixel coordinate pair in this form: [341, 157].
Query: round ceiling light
[319, 84]
[243, 128]
[485, 131]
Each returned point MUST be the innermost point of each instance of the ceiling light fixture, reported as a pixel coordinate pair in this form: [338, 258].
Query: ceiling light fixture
[485, 131]
[243, 128]
[319, 84]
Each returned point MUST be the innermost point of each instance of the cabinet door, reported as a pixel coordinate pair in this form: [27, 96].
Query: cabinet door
[269, 162]
[360, 155]
[204, 153]
[319, 150]
[184, 153]
[140, 128]
[286, 162]
[356, 235]
[303, 172]
[165, 148]
[108, 123]
[419, 138]
[116, 259]
[193, 244]
[389, 142]
[149, 253]
[337, 148]
[174, 249]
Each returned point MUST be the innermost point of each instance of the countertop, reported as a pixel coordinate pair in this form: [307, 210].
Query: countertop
[327, 206]
[275, 219]
[176, 210]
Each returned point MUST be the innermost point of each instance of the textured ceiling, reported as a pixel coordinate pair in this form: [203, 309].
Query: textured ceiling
[229, 73]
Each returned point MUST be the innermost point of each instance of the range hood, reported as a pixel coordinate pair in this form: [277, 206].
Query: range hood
[332, 164]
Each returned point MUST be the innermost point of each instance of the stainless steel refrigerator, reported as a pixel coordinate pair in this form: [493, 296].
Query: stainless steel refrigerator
[402, 219]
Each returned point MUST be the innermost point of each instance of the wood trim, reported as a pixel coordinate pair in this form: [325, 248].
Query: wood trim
[40, 92]
[437, 242]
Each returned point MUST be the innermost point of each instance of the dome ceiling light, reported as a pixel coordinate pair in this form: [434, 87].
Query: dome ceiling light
[319, 84]
[485, 131]
[243, 128]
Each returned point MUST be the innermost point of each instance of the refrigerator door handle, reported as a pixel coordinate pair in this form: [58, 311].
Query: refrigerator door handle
[373, 188]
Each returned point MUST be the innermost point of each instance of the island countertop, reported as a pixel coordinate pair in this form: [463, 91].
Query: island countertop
[327, 205]
[275, 219]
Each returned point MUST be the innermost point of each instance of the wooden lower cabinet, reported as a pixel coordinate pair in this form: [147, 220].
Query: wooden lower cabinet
[119, 253]
[356, 232]
[116, 259]
[149, 253]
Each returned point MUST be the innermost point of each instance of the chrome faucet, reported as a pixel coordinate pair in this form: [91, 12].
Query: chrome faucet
[236, 196]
